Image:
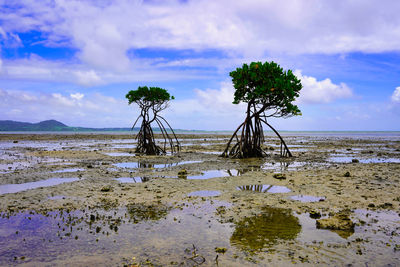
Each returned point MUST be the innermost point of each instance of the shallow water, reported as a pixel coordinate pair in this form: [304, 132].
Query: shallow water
[264, 188]
[306, 198]
[135, 165]
[214, 174]
[69, 170]
[14, 188]
[119, 154]
[346, 159]
[133, 179]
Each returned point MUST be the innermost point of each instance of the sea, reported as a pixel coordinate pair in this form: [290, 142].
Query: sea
[390, 135]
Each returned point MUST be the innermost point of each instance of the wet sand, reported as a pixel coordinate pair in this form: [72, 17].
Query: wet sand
[108, 206]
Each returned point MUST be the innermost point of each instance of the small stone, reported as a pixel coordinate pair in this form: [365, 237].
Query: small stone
[315, 214]
[220, 250]
[279, 176]
[355, 161]
[347, 174]
[182, 173]
[371, 205]
[106, 188]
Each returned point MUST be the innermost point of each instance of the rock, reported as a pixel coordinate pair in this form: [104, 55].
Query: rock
[220, 250]
[106, 188]
[355, 161]
[315, 214]
[182, 173]
[347, 174]
[339, 221]
[279, 176]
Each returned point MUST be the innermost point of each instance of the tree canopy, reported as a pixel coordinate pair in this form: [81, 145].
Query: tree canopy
[267, 86]
[148, 94]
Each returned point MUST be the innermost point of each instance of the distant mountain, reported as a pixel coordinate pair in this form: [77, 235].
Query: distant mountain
[48, 125]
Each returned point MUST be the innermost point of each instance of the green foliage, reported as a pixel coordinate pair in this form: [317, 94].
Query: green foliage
[148, 94]
[267, 84]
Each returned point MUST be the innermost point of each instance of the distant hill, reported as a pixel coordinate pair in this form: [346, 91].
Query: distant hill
[48, 125]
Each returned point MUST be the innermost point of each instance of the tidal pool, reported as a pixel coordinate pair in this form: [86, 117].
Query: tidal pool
[306, 198]
[264, 188]
[135, 165]
[15, 188]
[119, 154]
[213, 174]
[133, 179]
[344, 159]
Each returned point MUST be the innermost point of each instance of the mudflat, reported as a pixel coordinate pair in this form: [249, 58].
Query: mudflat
[85, 199]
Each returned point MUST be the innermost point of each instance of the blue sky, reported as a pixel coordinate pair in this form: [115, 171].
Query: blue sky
[74, 61]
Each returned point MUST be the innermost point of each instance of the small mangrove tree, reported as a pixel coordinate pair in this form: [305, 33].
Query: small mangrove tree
[269, 92]
[152, 100]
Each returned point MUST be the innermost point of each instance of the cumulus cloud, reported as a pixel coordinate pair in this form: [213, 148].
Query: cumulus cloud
[396, 95]
[323, 91]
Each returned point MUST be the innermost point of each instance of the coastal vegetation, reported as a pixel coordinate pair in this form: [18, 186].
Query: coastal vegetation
[269, 92]
[152, 100]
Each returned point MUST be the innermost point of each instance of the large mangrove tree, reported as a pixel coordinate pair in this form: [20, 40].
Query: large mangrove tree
[269, 92]
[152, 100]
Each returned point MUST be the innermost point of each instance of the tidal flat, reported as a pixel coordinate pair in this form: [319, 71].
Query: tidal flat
[88, 199]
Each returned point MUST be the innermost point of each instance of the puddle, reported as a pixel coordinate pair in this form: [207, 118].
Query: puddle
[264, 230]
[14, 188]
[133, 179]
[204, 193]
[282, 166]
[264, 188]
[306, 198]
[119, 154]
[69, 170]
[368, 160]
[213, 174]
[211, 152]
[135, 165]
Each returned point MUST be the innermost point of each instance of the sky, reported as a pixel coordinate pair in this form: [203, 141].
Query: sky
[75, 60]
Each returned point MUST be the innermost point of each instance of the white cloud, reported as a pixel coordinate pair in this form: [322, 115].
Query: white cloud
[88, 78]
[324, 91]
[77, 96]
[95, 110]
[396, 95]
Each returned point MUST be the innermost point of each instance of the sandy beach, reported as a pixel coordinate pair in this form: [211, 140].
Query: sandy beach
[86, 199]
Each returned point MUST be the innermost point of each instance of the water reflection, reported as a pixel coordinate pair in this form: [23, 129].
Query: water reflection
[135, 165]
[264, 188]
[15, 188]
[133, 179]
[307, 198]
[265, 229]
